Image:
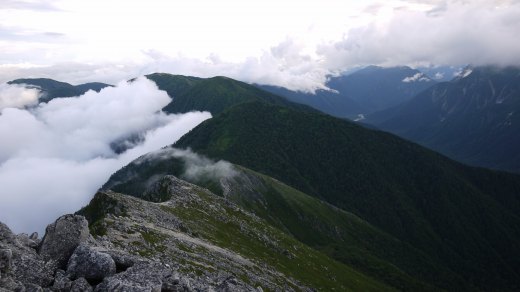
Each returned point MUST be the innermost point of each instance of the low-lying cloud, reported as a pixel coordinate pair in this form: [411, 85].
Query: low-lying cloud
[416, 77]
[196, 167]
[17, 96]
[54, 156]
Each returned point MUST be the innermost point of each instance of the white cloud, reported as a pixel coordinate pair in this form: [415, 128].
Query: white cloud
[438, 75]
[54, 157]
[416, 77]
[196, 166]
[16, 96]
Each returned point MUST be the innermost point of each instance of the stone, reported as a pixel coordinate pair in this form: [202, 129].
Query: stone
[232, 284]
[6, 256]
[28, 267]
[61, 282]
[62, 237]
[6, 235]
[33, 288]
[19, 262]
[90, 264]
[140, 277]
[171, 283]
[123, 261]
[25, 240]
[81, 285]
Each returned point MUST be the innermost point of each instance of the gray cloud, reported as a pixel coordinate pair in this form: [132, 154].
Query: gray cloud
[455, 32]
[55, 156]
[450, 32]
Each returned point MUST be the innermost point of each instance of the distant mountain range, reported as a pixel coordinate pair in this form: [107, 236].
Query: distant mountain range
[474, 118]
[362, 92]
[52, 89]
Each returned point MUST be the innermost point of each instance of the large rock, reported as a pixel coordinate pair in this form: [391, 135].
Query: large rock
[20, 265]
[6, 235]
[90, 264]
[62, 237]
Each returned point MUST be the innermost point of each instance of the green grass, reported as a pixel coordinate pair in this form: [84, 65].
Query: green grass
[280, 250]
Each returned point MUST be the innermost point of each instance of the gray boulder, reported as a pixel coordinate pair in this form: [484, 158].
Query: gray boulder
[20, 264]
[81, 285]
[62, 237]
[90, 264]
[33, 288]
[25, 240]
[6, 235]
[140, 277]
[6, 256]
[61, 282]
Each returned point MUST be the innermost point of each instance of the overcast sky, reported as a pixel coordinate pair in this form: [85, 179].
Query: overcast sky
[290, 43]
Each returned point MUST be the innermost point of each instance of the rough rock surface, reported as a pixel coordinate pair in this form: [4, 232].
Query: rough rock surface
[20, 265]
[140, 277]
[91, 264]
[62, 237]
[137, 245]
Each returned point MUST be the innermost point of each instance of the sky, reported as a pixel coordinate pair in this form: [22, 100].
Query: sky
[295, 44]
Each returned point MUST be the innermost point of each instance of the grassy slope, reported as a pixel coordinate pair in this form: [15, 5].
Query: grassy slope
[311, 267]
[212, 219]
[416, 195]
[339, 234]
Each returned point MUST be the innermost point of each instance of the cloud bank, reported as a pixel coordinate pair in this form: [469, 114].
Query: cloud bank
[478, 32]
[297, 48]
[17, 96]
[54, 157]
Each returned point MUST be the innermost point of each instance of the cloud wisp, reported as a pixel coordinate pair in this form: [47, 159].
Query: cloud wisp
[56, 155]
[196, 167]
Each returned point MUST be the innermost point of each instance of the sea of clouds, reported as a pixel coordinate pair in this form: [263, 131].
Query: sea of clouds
[54, 156]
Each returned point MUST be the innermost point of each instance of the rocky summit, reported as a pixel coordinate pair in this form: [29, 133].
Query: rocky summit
[190, 240]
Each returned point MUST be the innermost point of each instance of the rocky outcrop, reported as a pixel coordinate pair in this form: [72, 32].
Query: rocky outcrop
[62, 237]
[191, 240]
[21, 267]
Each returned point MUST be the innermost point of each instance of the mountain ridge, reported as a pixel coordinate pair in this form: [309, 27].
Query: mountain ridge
[402, 188]
[51, 89]
[472, 119]
[362, 92]
[333, 231]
